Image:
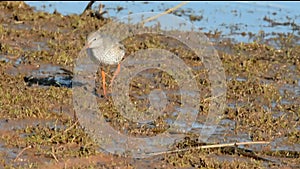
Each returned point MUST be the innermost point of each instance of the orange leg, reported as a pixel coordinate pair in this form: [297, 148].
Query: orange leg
[115, 74]
[103, 82]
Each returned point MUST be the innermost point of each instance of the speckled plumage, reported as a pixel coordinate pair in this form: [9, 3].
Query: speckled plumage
[104, 49]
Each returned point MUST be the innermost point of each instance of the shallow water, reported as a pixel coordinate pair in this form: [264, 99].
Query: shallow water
[231, 18]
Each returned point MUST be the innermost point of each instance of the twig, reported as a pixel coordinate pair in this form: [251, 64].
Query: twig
[211, 146]
[213, 97]
[88, 7]
[52, 153]
[164, 13]
[69, 128]
[100, 8]
[21, 152]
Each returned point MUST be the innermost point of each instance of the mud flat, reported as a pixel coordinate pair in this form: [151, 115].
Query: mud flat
[38, 123]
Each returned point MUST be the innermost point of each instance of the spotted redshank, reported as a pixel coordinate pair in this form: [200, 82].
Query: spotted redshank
[105, 50]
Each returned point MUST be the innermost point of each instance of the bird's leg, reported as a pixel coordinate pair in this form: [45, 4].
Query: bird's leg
[115, 74]
[103, 83]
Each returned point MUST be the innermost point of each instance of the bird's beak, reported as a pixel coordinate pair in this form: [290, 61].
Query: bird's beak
[86, 46]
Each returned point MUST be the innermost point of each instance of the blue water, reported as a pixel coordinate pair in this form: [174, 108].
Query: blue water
[231, 18]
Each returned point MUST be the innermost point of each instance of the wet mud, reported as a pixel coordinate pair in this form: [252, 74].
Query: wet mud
[38, 123]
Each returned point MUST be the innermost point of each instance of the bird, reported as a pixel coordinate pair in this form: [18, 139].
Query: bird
[104, 49]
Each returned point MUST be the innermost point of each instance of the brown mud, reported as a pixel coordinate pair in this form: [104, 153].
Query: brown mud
[37, 55]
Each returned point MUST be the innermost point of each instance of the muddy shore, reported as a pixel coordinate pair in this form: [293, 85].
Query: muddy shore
[38, 124]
